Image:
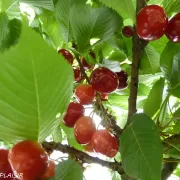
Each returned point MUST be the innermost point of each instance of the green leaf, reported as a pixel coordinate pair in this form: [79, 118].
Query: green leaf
[97, 23]
[154, 99]
[10, 31]
[124, 7]
[171, 6]
[170, 66]
[62, 11]
[36, 84]
[69, 170]
[141, 149]
[50, 26]
[46, 4]
[150, 60]
[174, 152]
[57, 134]
[14, 11]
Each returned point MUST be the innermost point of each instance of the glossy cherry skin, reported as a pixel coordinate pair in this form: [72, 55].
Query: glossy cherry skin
[85, 93]
[128, 31]
[105, 143]
[151, 22]
[29, 158]
[77, 75]
[173, 29]
[104, 80]
[84, 129]
[50, 171]
[67, 55]
[123, 77]
[74, 112]
[5, 167]
[85, 64]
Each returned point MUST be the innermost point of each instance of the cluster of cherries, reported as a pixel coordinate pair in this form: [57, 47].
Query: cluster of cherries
[27, 160]
[102, 81]
[153, 23]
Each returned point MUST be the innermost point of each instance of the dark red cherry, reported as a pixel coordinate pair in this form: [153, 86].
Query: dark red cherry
[104, 80]
[105, 143]
[85, 64]
[85, 93]
[151, 22]
[173, 28]
[29, 158]
[67, 55]
[50, 171]
[74, 112]
[128, 31]
[123, 77]
[5, 168]
[84, 129]
[77, 74]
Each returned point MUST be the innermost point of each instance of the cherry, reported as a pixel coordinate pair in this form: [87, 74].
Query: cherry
[104, 80]
[67, 55]
[85, 64]
[5, 167]
[29, 158]
[105, 143]
[123, 77]
[77, 74]
[128, 31]
[74, 112]
[50, 171]
[173, 28]
[151, 22]
[85, 93]
[84, 129]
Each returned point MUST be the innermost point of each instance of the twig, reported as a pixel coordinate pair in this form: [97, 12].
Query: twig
[138, 48]
[83, 156]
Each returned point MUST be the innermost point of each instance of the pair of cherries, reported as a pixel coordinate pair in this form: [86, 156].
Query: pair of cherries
[153, 23]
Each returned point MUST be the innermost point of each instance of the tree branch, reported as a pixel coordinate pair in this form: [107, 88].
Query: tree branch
[138, 48]
[168, 169]
[83, 156]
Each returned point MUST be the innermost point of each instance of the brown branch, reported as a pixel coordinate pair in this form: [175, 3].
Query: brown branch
[138, 48]
[83, 156]
[168, 169]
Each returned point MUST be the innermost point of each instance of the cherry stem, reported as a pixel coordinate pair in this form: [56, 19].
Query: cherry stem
[85, 158]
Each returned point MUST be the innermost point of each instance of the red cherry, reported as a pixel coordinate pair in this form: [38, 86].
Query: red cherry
[84, 129]
[77, 74]
[74, 112]
[151, 22]
[85, 93]
[104, 80]
[5, 168]
[67, 55]
[29, 158]
[105, 143]
[128, 31]
[123, 77]
[50, 171]
[173, 28]
[85, 64]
